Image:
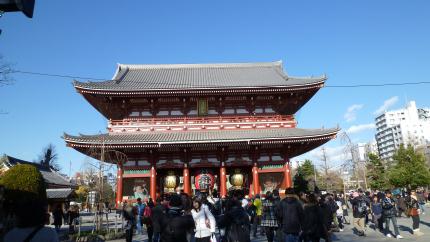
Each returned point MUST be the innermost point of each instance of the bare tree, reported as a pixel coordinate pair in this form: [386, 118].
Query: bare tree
[101, 181]
[5, 77]
[5, 71]
[351, 150]
[49, 157]
[326, 167]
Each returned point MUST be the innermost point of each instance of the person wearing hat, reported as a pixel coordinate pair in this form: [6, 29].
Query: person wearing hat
[389, 213]
[360, 206]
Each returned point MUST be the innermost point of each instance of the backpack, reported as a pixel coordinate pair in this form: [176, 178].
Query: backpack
[252, 210]
[239, 229]
[362, 207]
[147, 212]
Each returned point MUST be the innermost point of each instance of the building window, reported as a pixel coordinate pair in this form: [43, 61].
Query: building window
[202, 106]
[134, 114]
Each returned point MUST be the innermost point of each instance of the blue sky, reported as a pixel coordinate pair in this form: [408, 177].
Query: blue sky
[353, 42]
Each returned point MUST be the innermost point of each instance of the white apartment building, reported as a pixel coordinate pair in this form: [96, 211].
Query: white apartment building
[362, 150]
[409, 125]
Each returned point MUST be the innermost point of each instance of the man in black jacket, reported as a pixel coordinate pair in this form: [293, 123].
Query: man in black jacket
[157, 215]
[389, 214]
[290, 214]
[175, 225]
[360, 206]
[276, 202]
[236, 222]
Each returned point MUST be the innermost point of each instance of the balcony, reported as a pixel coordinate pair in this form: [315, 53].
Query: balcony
[201, 123]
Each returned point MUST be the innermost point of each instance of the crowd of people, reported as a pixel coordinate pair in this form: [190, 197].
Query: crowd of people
[383, 208]
[295, 217]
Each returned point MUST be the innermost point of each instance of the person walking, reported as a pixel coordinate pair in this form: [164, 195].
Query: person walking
[345, 209]
[236, 222]
[58, 217]
[389, 213]
[290, 214]
[376, 210]
[147, 219]
[129, 214]
[268, 219]
[73, 216]
[313, 225]
[140, 208]
[175, 224]
[421, 200]
[251, 210]
[400, 204]
[279, 235]
[156, 217]
[414, 212]
[258, 212]
[204, 221]
[327, 217]
[339, 213]
[359, 212]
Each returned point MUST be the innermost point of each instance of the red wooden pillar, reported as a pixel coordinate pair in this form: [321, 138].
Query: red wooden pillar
[287, 174]
[119, 185]
[153, 183]
[187, 184]
[250, 185]
[255, 181]
[223, 180]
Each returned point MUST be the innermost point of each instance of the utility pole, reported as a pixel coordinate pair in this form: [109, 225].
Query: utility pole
[315, 176]
[325, 167]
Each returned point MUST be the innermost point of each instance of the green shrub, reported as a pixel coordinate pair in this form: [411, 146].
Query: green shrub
[23, 182]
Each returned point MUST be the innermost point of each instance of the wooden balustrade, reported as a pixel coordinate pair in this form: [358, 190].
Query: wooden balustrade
[173, 123]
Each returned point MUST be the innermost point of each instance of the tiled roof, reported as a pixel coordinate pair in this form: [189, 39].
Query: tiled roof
[199, 76]
[210, 136]
[58, 193]
[50, 176]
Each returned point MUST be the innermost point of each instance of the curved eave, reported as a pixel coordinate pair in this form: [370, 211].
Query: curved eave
[87, 142]
[84, 88]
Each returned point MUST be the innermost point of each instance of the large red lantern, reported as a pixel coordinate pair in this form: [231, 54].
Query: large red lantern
[204, 180]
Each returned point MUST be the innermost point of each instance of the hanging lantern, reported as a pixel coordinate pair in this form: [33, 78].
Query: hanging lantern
[170, 181]
[204, 180]
[237, 179]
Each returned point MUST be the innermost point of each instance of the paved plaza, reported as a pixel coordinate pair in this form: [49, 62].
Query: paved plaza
[405, 225]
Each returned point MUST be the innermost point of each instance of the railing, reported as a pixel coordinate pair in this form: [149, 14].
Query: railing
[139, 124]
[200, 120]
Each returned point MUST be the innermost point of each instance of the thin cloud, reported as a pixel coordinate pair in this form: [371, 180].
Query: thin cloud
[351, 112]
[387, 103]
[334, 154]
[360, 128]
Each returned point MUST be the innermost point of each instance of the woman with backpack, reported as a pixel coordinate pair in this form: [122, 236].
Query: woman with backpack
[204, 221]
[236, 222]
